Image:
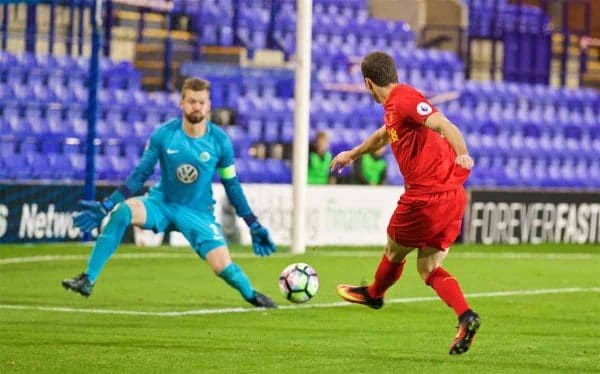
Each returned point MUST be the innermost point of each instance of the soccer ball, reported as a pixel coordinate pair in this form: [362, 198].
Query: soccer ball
[299, 282]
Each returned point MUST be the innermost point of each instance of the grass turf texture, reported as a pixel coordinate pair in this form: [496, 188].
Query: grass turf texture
[527, 333]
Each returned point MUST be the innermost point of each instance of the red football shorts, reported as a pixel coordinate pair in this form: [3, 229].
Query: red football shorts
[428, 220]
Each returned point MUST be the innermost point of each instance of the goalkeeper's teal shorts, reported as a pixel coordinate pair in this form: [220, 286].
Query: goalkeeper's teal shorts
[198, 227]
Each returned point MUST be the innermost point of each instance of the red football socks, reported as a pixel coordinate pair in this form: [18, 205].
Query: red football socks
[386, 275]
[447, 288]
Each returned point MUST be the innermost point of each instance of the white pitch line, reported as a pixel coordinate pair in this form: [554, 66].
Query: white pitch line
[476, 255]
[167, 255]
[527, 255]
[54, 258]
[403, 300]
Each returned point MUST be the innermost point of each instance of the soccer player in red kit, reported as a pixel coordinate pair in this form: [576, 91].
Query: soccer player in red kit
[433, 158]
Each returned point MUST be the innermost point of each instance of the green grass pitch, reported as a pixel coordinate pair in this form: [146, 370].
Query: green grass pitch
[549, 321]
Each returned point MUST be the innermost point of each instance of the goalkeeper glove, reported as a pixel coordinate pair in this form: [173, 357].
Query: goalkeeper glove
[92, 213]
[262, 244]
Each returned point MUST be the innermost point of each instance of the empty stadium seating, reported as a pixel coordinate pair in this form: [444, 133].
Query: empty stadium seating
[519, 134]
[525, 32]
[493, 18]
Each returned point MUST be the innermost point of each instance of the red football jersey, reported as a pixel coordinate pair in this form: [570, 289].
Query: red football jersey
[425, 158]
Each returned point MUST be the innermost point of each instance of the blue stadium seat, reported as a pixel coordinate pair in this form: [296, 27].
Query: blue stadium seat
[142, 130]
[75, 161]
[277, 171]
[51, 144]
[17, 126]
[121, 166]
[104, 129]
[252, 26]
[133, 150]
[60, 166]
[58, 127]
[72, 146]
[8, 144]
[16, 167]
[28, 145]
[112, 147]
[54, 112]
[271, 130]
[40, 166]
[256, 171]
[594, 174]
[132, 116]
[80, 127]
[254, 129]
[7, 60]
[36, 127]
[37, 77]
[122, 129]
[104, 168]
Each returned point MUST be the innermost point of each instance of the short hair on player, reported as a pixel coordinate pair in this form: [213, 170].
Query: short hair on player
[380, 68]
[194, 84]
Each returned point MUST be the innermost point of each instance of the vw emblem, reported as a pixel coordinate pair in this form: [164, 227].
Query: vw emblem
[187, 173]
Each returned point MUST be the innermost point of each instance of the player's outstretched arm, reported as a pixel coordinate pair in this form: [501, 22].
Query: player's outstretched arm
[262, 244]
[439, 123]
[93, 212]
[374, 142]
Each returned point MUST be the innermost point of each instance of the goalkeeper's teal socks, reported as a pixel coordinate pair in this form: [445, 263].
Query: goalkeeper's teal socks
[108, 241]
[236, 278]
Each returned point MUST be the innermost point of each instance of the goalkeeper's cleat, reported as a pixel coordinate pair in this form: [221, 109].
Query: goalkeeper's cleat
[80, 284]
[262, 301]
[468, 324]
[359, 295]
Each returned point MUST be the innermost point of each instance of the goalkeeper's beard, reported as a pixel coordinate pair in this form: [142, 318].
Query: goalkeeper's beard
[194, 119]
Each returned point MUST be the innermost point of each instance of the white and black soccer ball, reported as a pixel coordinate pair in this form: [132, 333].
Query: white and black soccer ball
[299, 282]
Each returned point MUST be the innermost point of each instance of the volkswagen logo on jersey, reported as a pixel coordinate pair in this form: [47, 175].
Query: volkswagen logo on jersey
[424, 109]
[187, 173]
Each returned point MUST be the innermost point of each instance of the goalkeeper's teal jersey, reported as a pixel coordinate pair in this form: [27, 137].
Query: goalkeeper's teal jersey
[187, 165]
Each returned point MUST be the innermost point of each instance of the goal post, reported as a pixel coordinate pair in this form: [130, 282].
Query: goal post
[301, 123]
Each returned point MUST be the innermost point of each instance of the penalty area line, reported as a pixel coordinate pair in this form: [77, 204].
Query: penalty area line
[404, 300]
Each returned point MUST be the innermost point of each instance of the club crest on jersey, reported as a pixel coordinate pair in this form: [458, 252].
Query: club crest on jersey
[187, 173]
[204, 156]
[393, 135]
[424, 109]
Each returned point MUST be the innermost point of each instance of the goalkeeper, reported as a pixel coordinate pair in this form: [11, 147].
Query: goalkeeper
[189, 150]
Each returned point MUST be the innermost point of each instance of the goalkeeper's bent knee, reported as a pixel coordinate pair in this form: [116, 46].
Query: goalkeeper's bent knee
[121, 215]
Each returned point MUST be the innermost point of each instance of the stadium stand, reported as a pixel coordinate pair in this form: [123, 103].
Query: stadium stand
[500, 20]
[521, 135]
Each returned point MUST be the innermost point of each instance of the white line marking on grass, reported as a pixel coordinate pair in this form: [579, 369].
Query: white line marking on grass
[53, 258]
[458, 254]
[526, 255]
[403, 300]
[167, 255]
